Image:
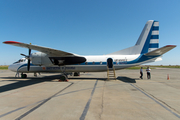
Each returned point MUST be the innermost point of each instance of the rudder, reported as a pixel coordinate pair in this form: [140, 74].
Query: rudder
[150, 37]
[154, 41]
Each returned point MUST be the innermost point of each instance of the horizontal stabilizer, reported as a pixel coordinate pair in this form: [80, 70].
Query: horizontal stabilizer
[160, 51]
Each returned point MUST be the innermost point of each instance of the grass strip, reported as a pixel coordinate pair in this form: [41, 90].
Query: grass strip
[4, 67]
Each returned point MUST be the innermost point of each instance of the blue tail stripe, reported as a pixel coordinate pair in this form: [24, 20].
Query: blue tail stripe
[154, 36]
[155, 28]
[156, 45]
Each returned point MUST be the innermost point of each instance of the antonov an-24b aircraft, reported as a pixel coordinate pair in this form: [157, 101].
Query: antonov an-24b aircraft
[145, 50]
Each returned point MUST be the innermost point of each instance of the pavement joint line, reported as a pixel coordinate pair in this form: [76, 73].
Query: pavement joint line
[43, 102]
[102, 102]
[152, 98]
[19, 109]
[88, 103]
[158, 99]
[84, 89]
[45, 99]
[22, 89]
[161, 103]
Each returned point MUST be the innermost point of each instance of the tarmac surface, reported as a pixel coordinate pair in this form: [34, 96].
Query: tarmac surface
[91, 97]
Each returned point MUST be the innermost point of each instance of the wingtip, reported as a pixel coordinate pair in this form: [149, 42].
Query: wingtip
[171, 45]
[11, 42]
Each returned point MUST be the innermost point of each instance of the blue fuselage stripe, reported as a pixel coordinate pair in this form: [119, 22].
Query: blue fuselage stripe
[25, 65]
[141, 58]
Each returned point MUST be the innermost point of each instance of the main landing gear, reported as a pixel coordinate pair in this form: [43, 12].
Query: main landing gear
[64, 76]
[76, 73]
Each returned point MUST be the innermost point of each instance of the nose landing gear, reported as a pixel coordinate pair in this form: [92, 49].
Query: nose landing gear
[23, 75]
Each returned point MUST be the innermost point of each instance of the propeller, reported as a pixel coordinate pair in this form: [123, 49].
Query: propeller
[28, 57]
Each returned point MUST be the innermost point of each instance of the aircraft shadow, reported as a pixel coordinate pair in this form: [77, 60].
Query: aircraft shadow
[127, 79]
[121, 78]
[86, 78]
[24, 83]
[32, 81]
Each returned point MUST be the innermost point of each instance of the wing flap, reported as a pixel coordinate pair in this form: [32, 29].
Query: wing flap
[40, 48]
[160, 51]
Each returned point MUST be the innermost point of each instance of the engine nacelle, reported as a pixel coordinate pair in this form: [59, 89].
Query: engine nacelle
[67, 60]
[40, 58]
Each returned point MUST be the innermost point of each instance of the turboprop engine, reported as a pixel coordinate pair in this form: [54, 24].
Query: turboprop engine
[40, 58]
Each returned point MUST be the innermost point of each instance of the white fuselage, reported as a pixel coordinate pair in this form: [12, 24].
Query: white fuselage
[95, 63]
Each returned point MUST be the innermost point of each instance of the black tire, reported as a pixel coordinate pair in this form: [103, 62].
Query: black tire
[63, 78]
[76, 74]
[23, 76]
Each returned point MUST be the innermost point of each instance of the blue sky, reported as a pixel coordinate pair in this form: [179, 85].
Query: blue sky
[86, 27]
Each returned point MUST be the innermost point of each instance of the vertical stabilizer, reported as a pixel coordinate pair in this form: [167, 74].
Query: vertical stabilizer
[147, 41]
[149, 38]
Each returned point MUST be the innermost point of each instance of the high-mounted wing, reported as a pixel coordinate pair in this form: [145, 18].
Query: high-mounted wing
[160, 51]
[41, 49]
[57, 57]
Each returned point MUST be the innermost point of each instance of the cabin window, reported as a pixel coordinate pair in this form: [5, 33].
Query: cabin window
[100, 62]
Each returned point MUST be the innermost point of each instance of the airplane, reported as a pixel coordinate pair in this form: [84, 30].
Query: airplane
[145, 50]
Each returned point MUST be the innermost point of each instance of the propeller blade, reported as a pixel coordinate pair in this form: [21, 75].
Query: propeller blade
[29, 52]
[23, 55]
[28, 57]
[28, 65]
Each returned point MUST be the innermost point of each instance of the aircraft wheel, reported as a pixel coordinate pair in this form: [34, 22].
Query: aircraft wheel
[77, 74]
[23, 76]
[63, 78]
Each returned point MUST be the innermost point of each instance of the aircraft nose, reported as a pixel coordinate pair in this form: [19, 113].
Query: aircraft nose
[13, 67]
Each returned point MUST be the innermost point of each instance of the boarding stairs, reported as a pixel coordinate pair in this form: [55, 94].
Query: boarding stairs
[111, 75]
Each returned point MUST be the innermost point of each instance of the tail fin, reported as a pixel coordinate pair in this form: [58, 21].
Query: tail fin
[148, 40]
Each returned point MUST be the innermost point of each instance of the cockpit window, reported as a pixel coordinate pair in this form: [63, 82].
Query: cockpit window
[21, 60]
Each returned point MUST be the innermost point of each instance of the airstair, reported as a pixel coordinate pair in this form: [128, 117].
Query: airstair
[111, 75]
